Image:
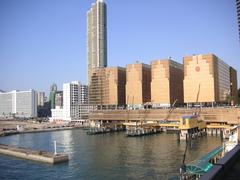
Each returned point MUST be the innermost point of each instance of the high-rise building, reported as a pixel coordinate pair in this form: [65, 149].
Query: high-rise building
[41, 98]
[84, 97]
[59, 99]
[138, 84]
[238, 15]
[53, 87]
[207, 79]
[18, 103]
[167, 82]
[53, 91]
[96, 36]
[108, 86]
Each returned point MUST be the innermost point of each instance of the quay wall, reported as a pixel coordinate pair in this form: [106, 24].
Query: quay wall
[218, 115]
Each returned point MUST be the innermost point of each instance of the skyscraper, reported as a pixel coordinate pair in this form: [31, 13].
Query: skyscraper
[97, 36]
[53, 90]
[238, 14]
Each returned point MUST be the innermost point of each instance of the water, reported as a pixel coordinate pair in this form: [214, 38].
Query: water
[106, 156]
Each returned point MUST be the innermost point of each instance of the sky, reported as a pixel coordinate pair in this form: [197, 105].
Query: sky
[44, 41]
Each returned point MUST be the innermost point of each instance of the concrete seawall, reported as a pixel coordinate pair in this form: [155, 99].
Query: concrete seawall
[40, 156]
[220, 115]
[226, 168]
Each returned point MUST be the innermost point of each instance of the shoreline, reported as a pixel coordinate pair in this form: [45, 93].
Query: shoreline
[9, 133]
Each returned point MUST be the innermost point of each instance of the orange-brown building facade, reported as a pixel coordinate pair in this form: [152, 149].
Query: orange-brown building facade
[167, 82]
[138, 84]
[233, 86]
[108, 86]
[207, 79]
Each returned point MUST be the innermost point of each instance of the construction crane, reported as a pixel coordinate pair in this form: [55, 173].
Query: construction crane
[170, 110]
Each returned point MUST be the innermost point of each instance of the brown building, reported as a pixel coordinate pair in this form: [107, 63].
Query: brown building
[167, 82]
[108, 86]
[233, 86]
[138, 84]
[206, 79]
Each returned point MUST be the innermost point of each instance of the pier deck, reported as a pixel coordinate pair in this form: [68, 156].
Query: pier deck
[41, 156]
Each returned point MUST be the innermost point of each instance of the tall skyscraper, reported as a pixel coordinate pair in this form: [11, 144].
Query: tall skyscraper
[238, 14]
[97, 36]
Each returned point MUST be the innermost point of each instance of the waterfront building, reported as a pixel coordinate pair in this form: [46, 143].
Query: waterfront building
[57, 114]
[41, 98]
[97, 36]
[18, 103]
[207, 80]
[138, 84]
[71, 98]
[167, 82]
[59, 99]
[75, 106]
[238, 15]
[108, 87]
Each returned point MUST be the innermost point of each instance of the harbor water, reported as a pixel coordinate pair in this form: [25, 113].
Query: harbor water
[104, 156]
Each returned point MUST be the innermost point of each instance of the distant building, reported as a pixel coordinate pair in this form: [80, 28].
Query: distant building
[138, 84]
[97, 36]
[167, 82]
[53, 91]
[207, 79]
[74, 106]
[53, 87]
[41, 98]
[84, 96]
[18, 103]
[59, 98]
[108, 86]
[45, 110]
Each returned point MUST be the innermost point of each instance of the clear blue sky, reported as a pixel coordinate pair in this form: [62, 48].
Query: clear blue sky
[44, 41]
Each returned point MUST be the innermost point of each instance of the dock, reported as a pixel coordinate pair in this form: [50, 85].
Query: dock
[40, 156]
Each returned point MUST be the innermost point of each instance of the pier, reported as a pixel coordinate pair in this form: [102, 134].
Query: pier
[191, 127]
[40, 156]
[141, 129]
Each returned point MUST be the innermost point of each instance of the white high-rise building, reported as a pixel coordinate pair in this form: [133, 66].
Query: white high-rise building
[97, 36]
[18, 103]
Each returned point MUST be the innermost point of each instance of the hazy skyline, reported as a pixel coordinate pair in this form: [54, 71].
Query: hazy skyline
[44, 41]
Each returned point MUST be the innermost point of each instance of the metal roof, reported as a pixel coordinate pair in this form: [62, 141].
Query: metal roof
[202, 165]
